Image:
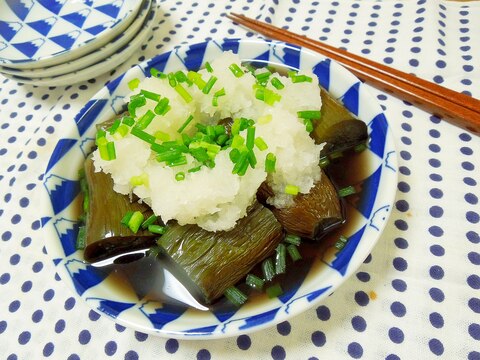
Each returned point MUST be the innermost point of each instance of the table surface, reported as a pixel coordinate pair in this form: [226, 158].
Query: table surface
[417, 296]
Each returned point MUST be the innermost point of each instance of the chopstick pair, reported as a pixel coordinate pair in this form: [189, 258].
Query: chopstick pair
[457, 108]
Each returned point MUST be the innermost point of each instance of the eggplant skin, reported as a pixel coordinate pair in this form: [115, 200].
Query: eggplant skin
[312, 215]
[213, 261]
[105, 235]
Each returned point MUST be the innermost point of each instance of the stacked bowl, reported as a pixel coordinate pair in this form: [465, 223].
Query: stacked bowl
[58, 42]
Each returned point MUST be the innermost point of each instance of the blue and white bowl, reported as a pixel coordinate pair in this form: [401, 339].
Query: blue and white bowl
[328, 270]
[40, 33]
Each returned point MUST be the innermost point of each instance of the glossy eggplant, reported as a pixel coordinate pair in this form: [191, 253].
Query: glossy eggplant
[214, 261]
[105, 236]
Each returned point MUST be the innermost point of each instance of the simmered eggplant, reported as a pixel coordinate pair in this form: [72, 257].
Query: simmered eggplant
[215, 261]
[105, 236]
[312, 215]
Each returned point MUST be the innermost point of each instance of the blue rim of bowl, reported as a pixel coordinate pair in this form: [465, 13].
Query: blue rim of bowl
[62, 187]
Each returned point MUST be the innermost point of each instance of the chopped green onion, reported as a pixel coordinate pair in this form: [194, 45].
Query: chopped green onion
[157, 73]
[294, 253]
[183, 93]
[308, 125]
[341, 242]
[280, 259]
[169, 155]
[162, 106]
[291, 189]
[139, 180]
[260, 144]
[114, 126]
[102, 149]
[128, 120]
[195, 169]
[150, 95]
[270, 161]
[171, 80]
[133, 84]
[81, 238]
[208, 86]
[145, 120]
[293, 239]
[180, 176]
[349, 190]
[254, 282]
[252, 159]
[211, 131]
[324, 162]
[360, 147]
[100, 135]
[157, 229]
[268, 269]
[262, 78]
[162, 136]
[235, 296]
[237, 141]
[309, 114]
[277, 84]
[292, 73]
[208, 67]
[136, 101]
[143, 135]
[236, 70]
[185, 124]
[135, 221]
[274, 291]
[221, 139]
[126, 218]
[200, 154]
[181, 160]
[234, 155]
[149, 221]
[216, 95]
[241, 164]
[301, 78]
[250, 137]
[180, 76]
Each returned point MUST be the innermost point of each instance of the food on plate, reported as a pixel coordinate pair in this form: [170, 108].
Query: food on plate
[221, 169]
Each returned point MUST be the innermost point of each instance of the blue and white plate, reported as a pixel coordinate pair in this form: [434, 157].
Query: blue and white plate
[327, 271]
[39, 33]
[95, 56]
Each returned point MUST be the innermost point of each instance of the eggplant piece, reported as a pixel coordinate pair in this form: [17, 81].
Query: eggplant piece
[312, 215]
[105, 235]
[213, 261]
[344, 136]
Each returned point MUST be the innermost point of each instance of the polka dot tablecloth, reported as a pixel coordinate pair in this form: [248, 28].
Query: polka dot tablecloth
[417, 296]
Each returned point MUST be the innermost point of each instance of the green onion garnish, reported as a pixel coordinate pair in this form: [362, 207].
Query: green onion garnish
[280, 259]
[324, 162]
[308, 125]
[309, 114]
[260, 144]
[180, 76]
[185, 124]
[277, 84]
[162, 136]
[135, 221]
[262, 78]
[195, 169]
[293, 252]
[241, 164]
[222, 139]
[128, 120]
[293, 239]
[181, 160]
[301, 78]
[183, 93]
[180, 176]
[139, 180]
[126, 218]
[252, 159]
[136, 101]
[111, 150]
[157, 73]
[162, 106]
[208, 86]
[208, 67]
[270, 161]
[274, 291]
[171, 80]
[216, 95]
[235, 296]
[143, 135]
[145, 120]
[291, 189]
[254, 282]
[268, 269]
[349, 190]
[157, 229]
[234, 155]
[114, 126]
[250, 137]
[81, 238]
[341, 242]
[150, 95]
[236, 70]
[149, 221]
[133, 84]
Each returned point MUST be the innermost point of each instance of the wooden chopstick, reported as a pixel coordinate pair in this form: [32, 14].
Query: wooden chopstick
[457, 108]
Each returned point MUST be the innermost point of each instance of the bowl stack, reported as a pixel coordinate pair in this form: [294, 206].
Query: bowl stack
[56, 43]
